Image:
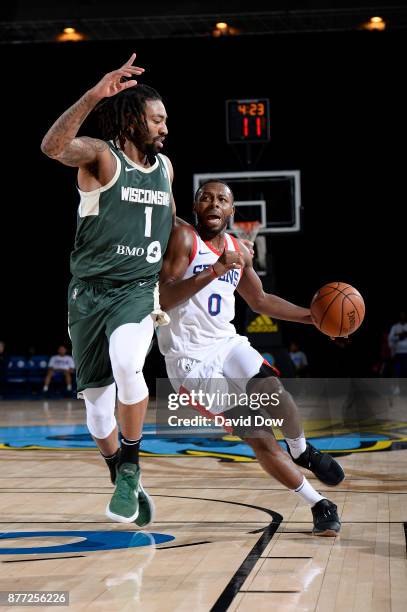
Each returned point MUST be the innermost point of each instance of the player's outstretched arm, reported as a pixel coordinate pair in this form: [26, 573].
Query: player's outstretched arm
[61, 143]
[251, 290]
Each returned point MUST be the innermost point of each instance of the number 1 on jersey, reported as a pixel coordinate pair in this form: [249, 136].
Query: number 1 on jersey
[148, 211]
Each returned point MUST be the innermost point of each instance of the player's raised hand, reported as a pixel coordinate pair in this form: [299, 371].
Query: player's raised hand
[112, 84]
[229, 260]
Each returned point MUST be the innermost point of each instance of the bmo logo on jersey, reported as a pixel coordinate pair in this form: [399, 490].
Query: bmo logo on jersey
[152, 252]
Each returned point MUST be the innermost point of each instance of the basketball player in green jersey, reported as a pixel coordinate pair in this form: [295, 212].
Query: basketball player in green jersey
[125, 217]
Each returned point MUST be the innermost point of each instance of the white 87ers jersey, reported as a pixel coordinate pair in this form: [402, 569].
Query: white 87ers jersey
[206, 317]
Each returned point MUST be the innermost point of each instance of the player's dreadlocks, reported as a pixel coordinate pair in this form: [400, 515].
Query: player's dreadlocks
[122, 117]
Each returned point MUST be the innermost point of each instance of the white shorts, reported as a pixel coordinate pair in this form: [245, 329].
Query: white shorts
[227, 369]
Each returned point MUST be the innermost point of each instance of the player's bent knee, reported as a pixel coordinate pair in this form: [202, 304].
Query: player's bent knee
[100, 407]
[132, 389]
[128, 346]
[126, 365]
[100, 426]
[265, 381]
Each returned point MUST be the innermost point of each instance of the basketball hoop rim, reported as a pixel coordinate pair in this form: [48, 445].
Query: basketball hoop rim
[246, 229]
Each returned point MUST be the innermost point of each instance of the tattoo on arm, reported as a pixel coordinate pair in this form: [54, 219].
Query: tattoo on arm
[59, 140]
[81, 150]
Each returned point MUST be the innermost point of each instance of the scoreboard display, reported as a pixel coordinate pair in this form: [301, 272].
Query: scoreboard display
[248, 121]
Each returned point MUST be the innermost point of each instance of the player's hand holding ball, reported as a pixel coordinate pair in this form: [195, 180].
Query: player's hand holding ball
[337, 309]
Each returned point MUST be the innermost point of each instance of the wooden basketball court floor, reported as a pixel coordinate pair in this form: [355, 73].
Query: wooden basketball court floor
[225, 537]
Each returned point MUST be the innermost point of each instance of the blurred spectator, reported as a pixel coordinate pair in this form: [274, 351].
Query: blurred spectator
[3, 367]
[62, 362]
[384, 366]
[398, 345]
[299, 359]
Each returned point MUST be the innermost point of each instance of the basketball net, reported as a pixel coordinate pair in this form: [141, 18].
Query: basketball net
[246, 229]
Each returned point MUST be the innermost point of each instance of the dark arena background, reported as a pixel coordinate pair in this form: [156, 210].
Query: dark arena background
[337, 103]
[226, 535]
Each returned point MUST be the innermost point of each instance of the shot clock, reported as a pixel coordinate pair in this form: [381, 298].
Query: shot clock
[247, 120]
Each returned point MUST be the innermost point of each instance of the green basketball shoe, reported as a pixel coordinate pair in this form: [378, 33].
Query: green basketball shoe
[124, 505]
[146, 507]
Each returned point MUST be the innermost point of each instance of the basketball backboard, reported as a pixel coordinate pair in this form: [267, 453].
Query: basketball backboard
[271, 197]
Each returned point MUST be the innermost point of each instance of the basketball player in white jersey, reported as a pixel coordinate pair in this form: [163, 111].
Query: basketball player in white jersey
[202, 269]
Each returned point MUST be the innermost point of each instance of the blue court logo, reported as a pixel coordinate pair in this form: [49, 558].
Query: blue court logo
[226, 448]
[90, 541]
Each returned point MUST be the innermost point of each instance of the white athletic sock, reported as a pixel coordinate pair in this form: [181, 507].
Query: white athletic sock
[69, 387]
[297, 445]
[307, 492]
[45, 388]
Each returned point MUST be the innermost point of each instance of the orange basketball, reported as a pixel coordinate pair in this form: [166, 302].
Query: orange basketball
[337, 309]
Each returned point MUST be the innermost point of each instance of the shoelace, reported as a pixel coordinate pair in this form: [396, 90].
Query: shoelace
[328, 512]
[313, 452]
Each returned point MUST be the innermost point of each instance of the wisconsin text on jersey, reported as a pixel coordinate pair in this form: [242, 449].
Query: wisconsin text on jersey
[145, 196]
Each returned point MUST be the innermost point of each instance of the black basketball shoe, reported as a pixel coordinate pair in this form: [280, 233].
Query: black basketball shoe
[326, 519]
[325, 468]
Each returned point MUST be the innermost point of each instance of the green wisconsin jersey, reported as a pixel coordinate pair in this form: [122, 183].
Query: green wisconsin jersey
[123, 227]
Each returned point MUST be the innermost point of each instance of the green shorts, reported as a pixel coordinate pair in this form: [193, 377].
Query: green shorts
[95, 309]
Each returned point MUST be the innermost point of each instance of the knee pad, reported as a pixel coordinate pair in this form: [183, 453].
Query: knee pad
[132, 388]
[100, 407]
[128, 348]
[273, 383]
